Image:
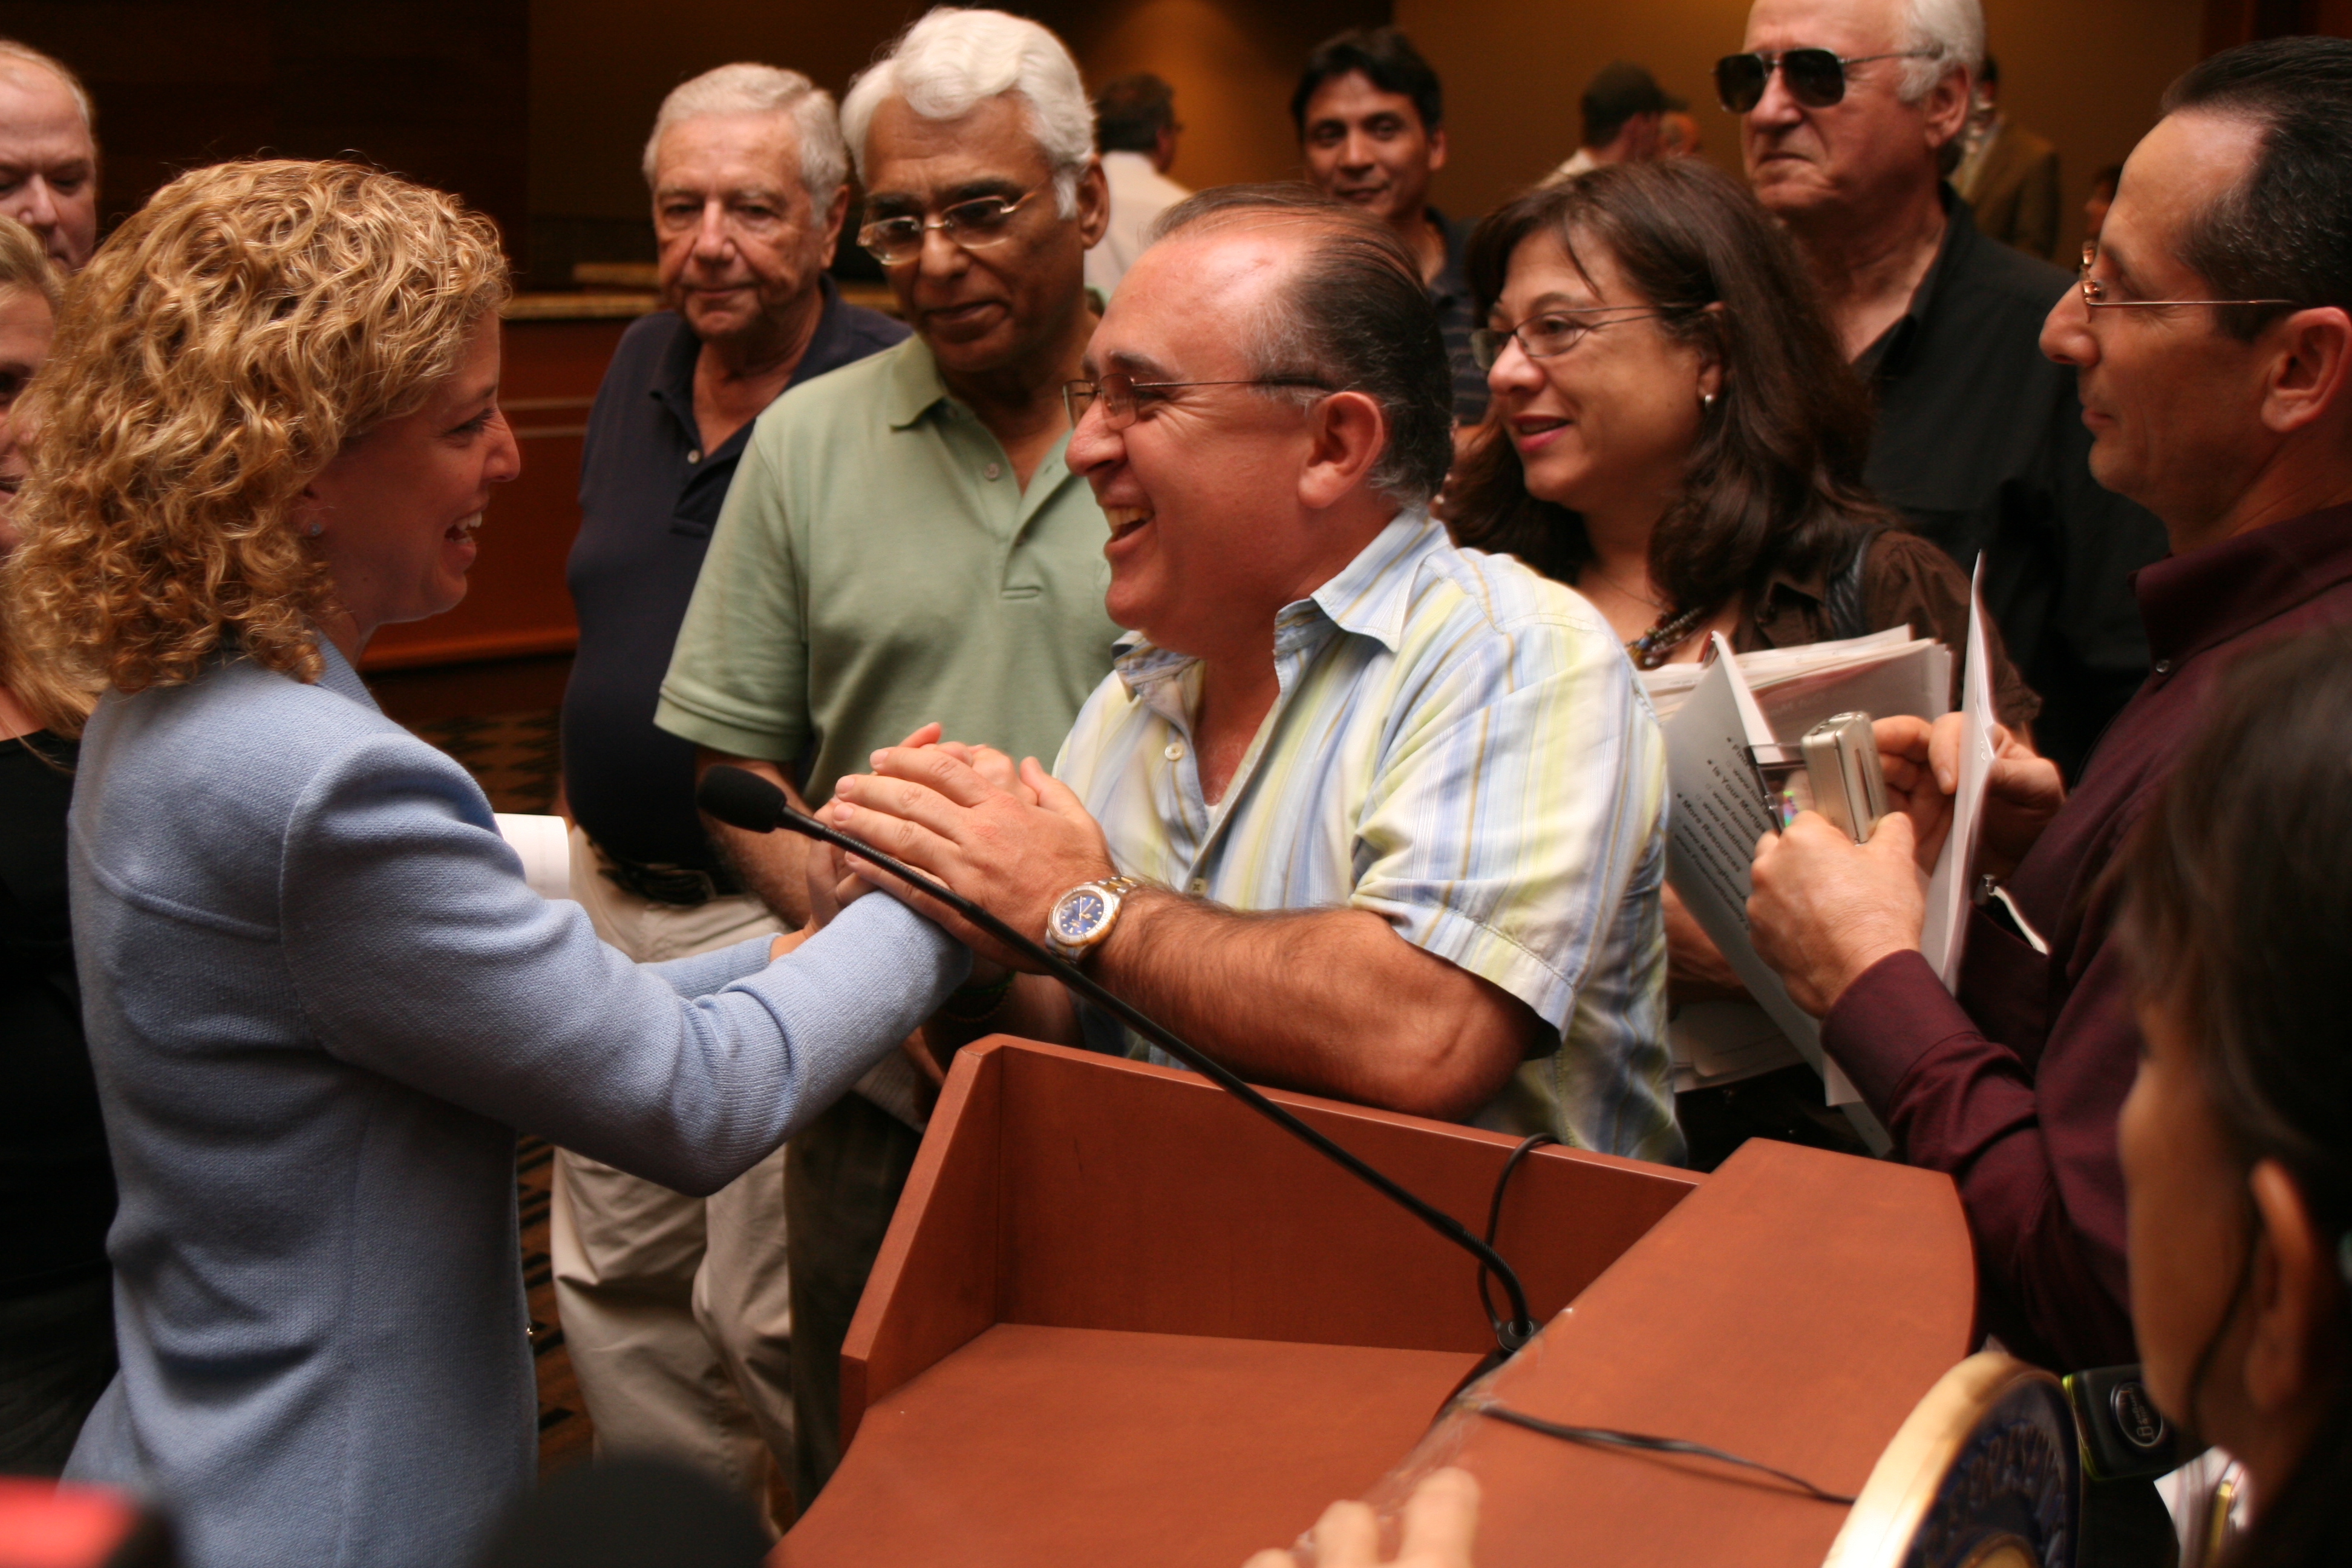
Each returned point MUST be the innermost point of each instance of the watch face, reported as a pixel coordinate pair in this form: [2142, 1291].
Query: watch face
[1077, 916]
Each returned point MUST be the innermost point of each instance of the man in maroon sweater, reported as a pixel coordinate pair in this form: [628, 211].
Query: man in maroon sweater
[2214, 350]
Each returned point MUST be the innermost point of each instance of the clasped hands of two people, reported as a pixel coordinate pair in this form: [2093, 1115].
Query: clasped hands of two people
[1824, 908]
[1009, 837]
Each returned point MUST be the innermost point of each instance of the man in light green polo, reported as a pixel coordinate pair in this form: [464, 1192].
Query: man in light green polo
[904, 542]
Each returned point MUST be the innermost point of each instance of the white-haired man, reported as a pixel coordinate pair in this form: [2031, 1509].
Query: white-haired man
[676, 1311]
[905, 541]
[48, 152]
[1852, 110]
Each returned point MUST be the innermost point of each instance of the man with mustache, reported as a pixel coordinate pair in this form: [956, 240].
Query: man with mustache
[675, 1310]
[1850, 112]
[1370, 114]
[905, 541]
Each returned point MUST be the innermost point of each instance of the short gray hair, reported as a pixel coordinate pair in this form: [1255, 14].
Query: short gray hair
[1953, 31]
[1352, 312]
[745, 87]
[25, 54]
[950, 60]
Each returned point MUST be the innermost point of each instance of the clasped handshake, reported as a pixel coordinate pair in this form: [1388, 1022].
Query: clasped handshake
[1825, 909]
[1007, 835]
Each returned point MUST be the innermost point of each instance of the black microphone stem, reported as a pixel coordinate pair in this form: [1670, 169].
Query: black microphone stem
[1511, 1336]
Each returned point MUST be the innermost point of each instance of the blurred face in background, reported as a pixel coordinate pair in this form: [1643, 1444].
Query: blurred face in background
[743, 245]
[25, 326]
[1368, 147]
[48, 163]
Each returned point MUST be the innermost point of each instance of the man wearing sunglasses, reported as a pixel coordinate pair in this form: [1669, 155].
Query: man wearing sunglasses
[1850, 111]
[2212, 330]
[904, 540]
[1359, 813]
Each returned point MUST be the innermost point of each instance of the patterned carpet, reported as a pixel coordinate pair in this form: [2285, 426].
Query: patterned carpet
[516, 759]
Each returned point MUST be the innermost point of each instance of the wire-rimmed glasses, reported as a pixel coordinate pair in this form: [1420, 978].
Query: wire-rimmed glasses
[1116, 391]
[1556, 332]
[974, 225]
[2094, 290]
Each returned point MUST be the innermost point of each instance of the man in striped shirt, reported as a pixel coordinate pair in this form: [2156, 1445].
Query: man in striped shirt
[1357, 812]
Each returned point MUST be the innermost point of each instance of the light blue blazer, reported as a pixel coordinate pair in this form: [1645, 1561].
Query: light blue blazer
[320, 1000]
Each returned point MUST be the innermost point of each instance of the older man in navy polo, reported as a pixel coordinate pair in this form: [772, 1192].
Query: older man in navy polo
[675, 1310]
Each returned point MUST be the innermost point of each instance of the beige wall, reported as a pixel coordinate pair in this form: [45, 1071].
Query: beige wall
[2085, 73]
[599, 68]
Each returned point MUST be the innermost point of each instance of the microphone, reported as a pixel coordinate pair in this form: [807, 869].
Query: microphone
[743, 799]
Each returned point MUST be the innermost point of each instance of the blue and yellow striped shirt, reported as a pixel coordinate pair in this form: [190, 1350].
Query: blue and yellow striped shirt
[1458, 745]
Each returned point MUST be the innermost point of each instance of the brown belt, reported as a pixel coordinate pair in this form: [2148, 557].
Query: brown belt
[682, 886]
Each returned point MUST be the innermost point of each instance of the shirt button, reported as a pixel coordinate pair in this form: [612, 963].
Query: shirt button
[1199, 886]
[2163, 667]
[1174, 752]
[694, 456]
[993, 469]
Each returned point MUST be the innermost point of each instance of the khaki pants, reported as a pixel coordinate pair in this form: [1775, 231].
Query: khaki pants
[677, 1311]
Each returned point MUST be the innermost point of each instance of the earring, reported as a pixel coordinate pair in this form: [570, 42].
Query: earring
[314, 530]
[1707, 401]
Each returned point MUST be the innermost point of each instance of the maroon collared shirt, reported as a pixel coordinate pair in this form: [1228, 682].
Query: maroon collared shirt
[2014, 1085]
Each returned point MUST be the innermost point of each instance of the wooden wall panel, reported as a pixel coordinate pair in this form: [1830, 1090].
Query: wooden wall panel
[436, 90]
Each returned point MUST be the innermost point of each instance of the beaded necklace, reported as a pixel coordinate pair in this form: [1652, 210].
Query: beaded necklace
[1651, 650]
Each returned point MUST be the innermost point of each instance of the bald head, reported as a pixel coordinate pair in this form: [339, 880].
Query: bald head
[49, 157]
[1335, 295]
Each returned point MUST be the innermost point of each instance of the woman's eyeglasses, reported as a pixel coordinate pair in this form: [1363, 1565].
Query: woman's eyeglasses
[1117, 392]
[1557, 331]
[974, 225]
[1815, 78]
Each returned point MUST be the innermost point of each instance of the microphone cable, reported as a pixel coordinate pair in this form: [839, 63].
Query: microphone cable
[1494, 1409]
[743, 799]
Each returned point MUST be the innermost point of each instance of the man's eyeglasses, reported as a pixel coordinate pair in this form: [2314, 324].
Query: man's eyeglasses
[1118, 394]
[2094, 290]
[1557, 331]
[1815, 78]
[975, 225]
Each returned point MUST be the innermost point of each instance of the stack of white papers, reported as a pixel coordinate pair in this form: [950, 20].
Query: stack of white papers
[1714, 713]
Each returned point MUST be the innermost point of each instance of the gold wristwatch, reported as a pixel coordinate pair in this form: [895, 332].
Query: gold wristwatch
[1084, 916]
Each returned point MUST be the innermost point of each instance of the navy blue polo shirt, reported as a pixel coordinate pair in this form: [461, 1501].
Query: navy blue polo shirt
[648, 497]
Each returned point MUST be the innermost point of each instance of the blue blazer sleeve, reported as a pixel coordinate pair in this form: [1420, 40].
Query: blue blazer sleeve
[416, 950]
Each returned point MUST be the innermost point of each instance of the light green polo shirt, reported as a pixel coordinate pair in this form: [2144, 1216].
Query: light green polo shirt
[876, 566]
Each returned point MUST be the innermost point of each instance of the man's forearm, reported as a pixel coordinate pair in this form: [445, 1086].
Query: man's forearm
[1329, 1002]
[1962, 1103]
[773, 866]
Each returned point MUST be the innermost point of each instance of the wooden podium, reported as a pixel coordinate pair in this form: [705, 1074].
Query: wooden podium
[1120, 1318]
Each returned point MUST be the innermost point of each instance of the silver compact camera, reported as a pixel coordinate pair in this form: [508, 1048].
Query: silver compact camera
[1842, 765]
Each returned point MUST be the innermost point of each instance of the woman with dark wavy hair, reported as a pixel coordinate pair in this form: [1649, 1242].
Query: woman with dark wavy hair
[2236, 1140]
[1675, 435]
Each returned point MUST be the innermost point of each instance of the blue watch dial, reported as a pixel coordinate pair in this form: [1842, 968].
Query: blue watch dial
[1079, 914]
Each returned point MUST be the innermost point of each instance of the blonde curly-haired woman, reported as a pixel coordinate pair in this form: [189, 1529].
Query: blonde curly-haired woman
[321, 997]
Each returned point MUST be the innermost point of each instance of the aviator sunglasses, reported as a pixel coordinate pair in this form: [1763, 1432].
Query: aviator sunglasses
[1815, 78]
